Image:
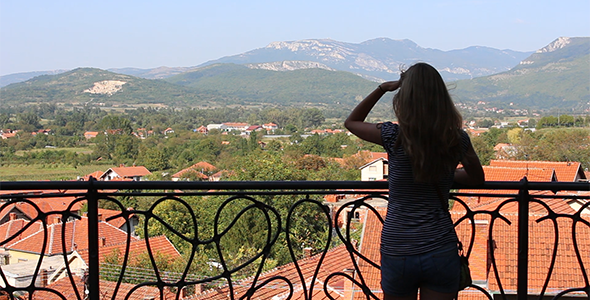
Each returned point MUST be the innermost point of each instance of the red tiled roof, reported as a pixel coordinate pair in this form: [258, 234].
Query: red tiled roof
[11, 228]
[369, 247]
[95, 175]
[497, 173]
[44, 204]
[76, 237]
[336, 260]
[116, 222]
[566, 273]
[158, 244]
[235, 124]
[565, 171]
[198, 168]
[130, 171]
[107, 288]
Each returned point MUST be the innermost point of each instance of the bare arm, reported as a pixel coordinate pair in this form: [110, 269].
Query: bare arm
[472, 172]
[356, 120]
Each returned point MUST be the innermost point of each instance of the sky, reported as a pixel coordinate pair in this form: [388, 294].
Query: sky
[41, 35]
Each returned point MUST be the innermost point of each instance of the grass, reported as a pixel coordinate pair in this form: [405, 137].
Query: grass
[54, 171]
[79, 150]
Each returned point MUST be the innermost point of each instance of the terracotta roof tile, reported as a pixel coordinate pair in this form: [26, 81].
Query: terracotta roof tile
[116, 222]
[10, 229]
[497, 173]
[336, 260]
[75, 237]
[369, 247]
[107, 288]
[130, 171]
[565, 171]
[199, 168]
[45, 205]
[95, 175]
[159, 244]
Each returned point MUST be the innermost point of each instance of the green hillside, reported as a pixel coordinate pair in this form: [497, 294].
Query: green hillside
[217, 85]
[296, 87]
[73, 88]
[552, 77]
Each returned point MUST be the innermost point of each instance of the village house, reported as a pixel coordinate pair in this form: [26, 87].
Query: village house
[375, 170]
[168, 131]
[270, 127]
[505, 151]
[229, 126]
[8, 134]
[20, 256]
[125, 173]
[220, 127]
[336, 260]
[201, 170]
[90, 134]
[202, 129]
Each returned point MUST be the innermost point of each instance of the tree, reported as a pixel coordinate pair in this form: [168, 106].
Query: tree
[312, 117]
[514, 135]
[485, 123]
[28, 121]
[152, 158]
[4, 120]
[116, 123]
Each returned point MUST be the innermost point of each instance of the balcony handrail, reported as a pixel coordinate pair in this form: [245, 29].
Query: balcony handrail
[94, 190]
[351, 186]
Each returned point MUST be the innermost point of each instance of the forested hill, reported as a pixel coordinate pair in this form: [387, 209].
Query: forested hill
[211, 86]
[89, 85]
[297, 87]
[556, 76]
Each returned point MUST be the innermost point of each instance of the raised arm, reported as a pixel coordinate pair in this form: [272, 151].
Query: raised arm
[472, 172]
[356, 120]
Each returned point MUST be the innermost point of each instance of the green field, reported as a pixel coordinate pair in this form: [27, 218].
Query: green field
[57, 171]
[79, 150]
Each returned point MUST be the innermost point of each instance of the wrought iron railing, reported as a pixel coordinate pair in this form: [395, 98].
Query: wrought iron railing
[551, 202]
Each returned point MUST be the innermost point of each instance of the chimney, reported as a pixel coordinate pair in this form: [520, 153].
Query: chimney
[348, 284]
[99, 217]
[307, 252]
[198, 288]
[12, 216]
[43, 276]
[56, 220]
[121, 166]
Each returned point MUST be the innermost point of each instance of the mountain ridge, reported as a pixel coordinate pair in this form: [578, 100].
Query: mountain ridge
[554, 76]
[382, 57]
[375, 59]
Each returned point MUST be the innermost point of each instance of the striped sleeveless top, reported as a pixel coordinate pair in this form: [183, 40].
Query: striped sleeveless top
[415, 222]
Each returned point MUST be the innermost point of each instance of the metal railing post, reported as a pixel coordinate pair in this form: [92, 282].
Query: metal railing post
[93, 260]
[523, 240]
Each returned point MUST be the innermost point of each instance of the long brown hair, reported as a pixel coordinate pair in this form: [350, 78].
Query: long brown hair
[429, 123]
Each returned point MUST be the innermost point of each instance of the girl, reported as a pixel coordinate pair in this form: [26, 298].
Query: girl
[418, 240]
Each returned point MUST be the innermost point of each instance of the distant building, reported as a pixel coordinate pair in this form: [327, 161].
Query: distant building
[270, 126]
[122, 172]
[202, 129]
[200, 170]
[90, 134]
[375, 170]
[236, 126]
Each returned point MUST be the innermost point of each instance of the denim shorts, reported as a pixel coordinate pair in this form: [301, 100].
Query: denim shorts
[437, 270]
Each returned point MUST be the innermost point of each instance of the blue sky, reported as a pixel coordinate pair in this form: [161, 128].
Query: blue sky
[39, 35]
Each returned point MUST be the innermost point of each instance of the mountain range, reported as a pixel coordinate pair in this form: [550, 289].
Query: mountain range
[325, 72]
[555, 76]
